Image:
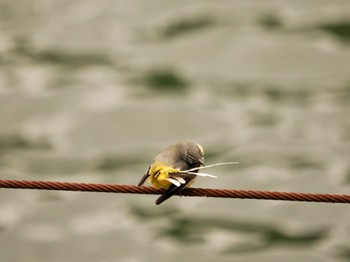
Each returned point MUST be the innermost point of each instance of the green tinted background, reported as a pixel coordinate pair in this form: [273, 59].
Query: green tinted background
[90, 91]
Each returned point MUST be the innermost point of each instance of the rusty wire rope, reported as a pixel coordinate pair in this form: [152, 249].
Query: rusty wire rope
[199, 192]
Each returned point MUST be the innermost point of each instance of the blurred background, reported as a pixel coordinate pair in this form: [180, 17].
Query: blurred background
[90, 91]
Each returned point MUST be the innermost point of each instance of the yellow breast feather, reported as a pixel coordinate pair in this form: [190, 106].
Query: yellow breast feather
[160, 175]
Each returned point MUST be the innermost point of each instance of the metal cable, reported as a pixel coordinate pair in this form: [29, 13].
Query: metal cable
[200, 192]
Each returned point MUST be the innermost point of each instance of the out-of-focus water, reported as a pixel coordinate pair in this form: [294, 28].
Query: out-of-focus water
[90, 91]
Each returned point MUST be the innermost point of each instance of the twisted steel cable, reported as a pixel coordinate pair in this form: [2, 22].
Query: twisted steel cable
[200, 192]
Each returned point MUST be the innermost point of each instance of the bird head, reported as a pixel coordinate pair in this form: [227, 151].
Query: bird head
[192, 153]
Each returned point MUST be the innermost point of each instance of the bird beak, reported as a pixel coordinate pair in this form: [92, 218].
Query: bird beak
[201, 161]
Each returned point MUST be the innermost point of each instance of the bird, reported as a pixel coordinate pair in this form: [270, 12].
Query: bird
[174, 168]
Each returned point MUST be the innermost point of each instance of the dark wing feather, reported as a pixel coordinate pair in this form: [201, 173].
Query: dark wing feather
[145, 176]
[169, 193]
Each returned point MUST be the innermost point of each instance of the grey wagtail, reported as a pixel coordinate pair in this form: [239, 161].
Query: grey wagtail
[174, 168]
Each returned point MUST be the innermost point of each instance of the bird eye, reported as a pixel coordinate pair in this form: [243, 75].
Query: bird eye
[191, 159]
[194, 160]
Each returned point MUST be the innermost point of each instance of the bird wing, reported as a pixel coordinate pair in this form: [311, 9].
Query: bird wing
[145, 176]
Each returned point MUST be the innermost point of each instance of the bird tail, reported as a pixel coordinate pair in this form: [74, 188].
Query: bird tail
[169, 193]
[162, 198]
[166, 195]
